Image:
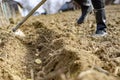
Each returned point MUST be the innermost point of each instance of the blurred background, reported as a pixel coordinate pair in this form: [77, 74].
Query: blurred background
[12, 8]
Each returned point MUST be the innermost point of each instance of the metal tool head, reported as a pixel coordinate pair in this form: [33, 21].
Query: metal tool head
[19, 33]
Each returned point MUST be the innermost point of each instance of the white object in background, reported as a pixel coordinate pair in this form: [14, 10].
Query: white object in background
[49, 7]
[117, 2]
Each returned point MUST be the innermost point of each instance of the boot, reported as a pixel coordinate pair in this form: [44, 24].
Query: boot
[86, 8]
[100, 20]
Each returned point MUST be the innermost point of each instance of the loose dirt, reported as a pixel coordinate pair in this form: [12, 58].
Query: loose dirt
[56, 48]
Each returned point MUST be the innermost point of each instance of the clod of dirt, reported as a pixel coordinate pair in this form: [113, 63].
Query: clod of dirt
[117, 71]
[0, 41]
[93, 75]
[15, 77]
[29, 79]
[11, 20]
[3, 56]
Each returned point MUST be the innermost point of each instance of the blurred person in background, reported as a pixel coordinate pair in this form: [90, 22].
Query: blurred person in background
[116, 1]
[99, 7]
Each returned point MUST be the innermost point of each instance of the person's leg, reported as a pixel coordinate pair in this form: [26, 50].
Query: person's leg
[86, 8]
[99, 6]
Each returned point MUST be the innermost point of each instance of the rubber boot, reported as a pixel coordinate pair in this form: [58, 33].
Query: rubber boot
[86, 8]
[101, 22]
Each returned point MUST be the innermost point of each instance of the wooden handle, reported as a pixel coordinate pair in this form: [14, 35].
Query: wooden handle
[30, 13]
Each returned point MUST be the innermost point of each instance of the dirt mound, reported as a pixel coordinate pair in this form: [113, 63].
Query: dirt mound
[12, 53]
[57, 52]
[55, 48]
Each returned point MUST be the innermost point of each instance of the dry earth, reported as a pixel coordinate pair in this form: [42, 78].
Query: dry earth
[56, 48]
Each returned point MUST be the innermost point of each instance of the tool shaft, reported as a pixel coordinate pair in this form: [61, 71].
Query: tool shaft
[30, 13]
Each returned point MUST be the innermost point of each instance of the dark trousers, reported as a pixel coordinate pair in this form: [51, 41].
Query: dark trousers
[97, 4]
[99, 11]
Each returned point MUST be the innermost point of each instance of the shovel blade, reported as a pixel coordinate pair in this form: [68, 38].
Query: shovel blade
[19, 33]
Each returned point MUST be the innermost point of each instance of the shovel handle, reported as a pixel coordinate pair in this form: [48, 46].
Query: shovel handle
[30, 13]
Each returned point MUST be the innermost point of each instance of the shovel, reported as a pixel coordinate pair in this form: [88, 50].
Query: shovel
[19, 32]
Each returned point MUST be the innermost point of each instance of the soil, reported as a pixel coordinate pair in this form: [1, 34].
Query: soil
[56, 48]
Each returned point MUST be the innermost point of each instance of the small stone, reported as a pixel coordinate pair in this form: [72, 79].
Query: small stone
[38, 61]
[36, 54]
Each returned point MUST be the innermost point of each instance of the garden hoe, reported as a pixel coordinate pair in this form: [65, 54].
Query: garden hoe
[17, 31]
